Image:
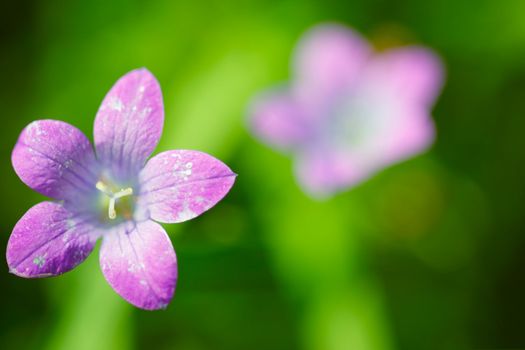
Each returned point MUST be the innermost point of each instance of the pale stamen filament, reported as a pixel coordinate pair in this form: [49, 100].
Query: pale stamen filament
[123, 193]
[103, 188]
[112, 213]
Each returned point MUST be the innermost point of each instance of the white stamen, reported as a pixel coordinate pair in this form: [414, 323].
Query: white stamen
[103, 188]
[123, 193]
[112, 213]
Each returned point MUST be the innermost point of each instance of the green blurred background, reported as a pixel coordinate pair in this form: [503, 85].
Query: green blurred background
[428, 254]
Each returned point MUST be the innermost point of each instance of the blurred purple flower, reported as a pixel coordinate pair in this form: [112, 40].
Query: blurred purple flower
[349, 112]
[113, 194]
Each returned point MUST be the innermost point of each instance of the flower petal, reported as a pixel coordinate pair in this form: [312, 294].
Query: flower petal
[383, 120]
[179, 185]
[328, 59]
[279, 120]
[139, 263]
[55, 159]
[414, 74]
[129, 123]
[49, 240]
[323, 172]
[390, 108]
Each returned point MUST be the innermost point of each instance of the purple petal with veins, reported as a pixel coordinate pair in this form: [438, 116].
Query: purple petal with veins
[55, 159]
[49, 240]
[138, 261]
[129, 124]
[177, 186]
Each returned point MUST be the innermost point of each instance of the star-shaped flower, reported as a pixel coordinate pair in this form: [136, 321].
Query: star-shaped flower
[348, 111]
[114, 193]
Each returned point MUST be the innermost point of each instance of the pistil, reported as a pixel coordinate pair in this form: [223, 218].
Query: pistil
[102, 187]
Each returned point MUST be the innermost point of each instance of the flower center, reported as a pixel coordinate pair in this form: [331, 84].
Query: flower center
[124, 203]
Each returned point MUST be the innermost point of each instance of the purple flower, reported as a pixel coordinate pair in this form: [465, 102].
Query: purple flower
[348, 111]
[113, 194]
